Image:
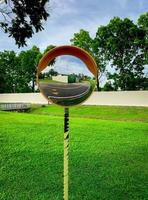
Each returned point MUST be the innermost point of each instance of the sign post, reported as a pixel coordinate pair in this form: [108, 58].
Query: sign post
[66, 94]
[66, 145]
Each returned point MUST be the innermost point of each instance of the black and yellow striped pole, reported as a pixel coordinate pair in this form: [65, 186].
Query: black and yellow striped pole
[66, 146]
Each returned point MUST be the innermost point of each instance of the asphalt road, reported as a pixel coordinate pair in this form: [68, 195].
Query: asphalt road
[55, 90]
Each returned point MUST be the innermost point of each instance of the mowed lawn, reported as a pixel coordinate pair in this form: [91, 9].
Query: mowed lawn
[108, 155]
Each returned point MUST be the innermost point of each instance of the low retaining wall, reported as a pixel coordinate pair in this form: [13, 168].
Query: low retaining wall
[15, 106]
[119, 98]
[35, 98]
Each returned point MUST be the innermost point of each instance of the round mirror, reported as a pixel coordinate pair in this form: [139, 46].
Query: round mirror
[67, 75]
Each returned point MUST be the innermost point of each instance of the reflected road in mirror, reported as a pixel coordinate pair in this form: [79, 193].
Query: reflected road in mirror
[66, 81]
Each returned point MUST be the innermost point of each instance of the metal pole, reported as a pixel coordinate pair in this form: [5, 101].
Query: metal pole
[66, 145]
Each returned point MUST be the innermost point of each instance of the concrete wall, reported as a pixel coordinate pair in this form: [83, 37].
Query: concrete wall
[119, 98]
[130, 98]
[35, 98]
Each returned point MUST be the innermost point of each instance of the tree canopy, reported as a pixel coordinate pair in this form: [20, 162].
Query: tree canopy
[28, 63]
[84, 41]
[8, 72]
[21, 19]
[18, 72]
[123, 45]
[143, 24]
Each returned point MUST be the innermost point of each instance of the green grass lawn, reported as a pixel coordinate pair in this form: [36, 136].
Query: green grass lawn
[117, 113]
[48, 81]
[107, 160]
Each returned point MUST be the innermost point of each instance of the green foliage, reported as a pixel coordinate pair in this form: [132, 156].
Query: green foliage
[121, 42]
[71, 78]
[9, 74]
[22, 18]
[143, 24]
[108, 86]
[109, 155]
[52, 72]
[84, 41]
[48, 48]
[28, 64]
[18, 72]
[143, 21]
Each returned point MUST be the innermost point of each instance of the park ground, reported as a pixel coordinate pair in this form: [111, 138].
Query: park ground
[107, 159]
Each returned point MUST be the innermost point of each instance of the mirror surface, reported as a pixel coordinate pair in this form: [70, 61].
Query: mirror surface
[66, 81]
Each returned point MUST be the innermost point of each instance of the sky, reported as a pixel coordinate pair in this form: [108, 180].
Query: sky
[67, 64]
[69, 16]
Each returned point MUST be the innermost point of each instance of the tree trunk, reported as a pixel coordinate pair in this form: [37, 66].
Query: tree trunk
[98, 88]
[98, 85]
[33, 85]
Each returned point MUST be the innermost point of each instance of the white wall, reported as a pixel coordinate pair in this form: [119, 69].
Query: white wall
[119, 98]
[35, 98]
[60, 78]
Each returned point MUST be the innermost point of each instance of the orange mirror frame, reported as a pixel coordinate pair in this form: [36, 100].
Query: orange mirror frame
[68, 50]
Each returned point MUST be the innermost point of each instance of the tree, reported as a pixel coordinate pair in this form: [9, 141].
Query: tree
[22, 18]
[71, 78]
[18, 72]
[143, 21]
[84, 41]
[52, 72]
[48, 48]
[108, 87]
[143, 24]
[121, 43]
[11, 77]
[28, 65]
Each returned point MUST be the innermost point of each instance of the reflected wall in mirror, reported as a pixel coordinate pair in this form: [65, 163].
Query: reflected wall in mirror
[66, 81]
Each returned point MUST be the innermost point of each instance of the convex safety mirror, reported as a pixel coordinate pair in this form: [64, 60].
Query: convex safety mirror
[67, 75]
